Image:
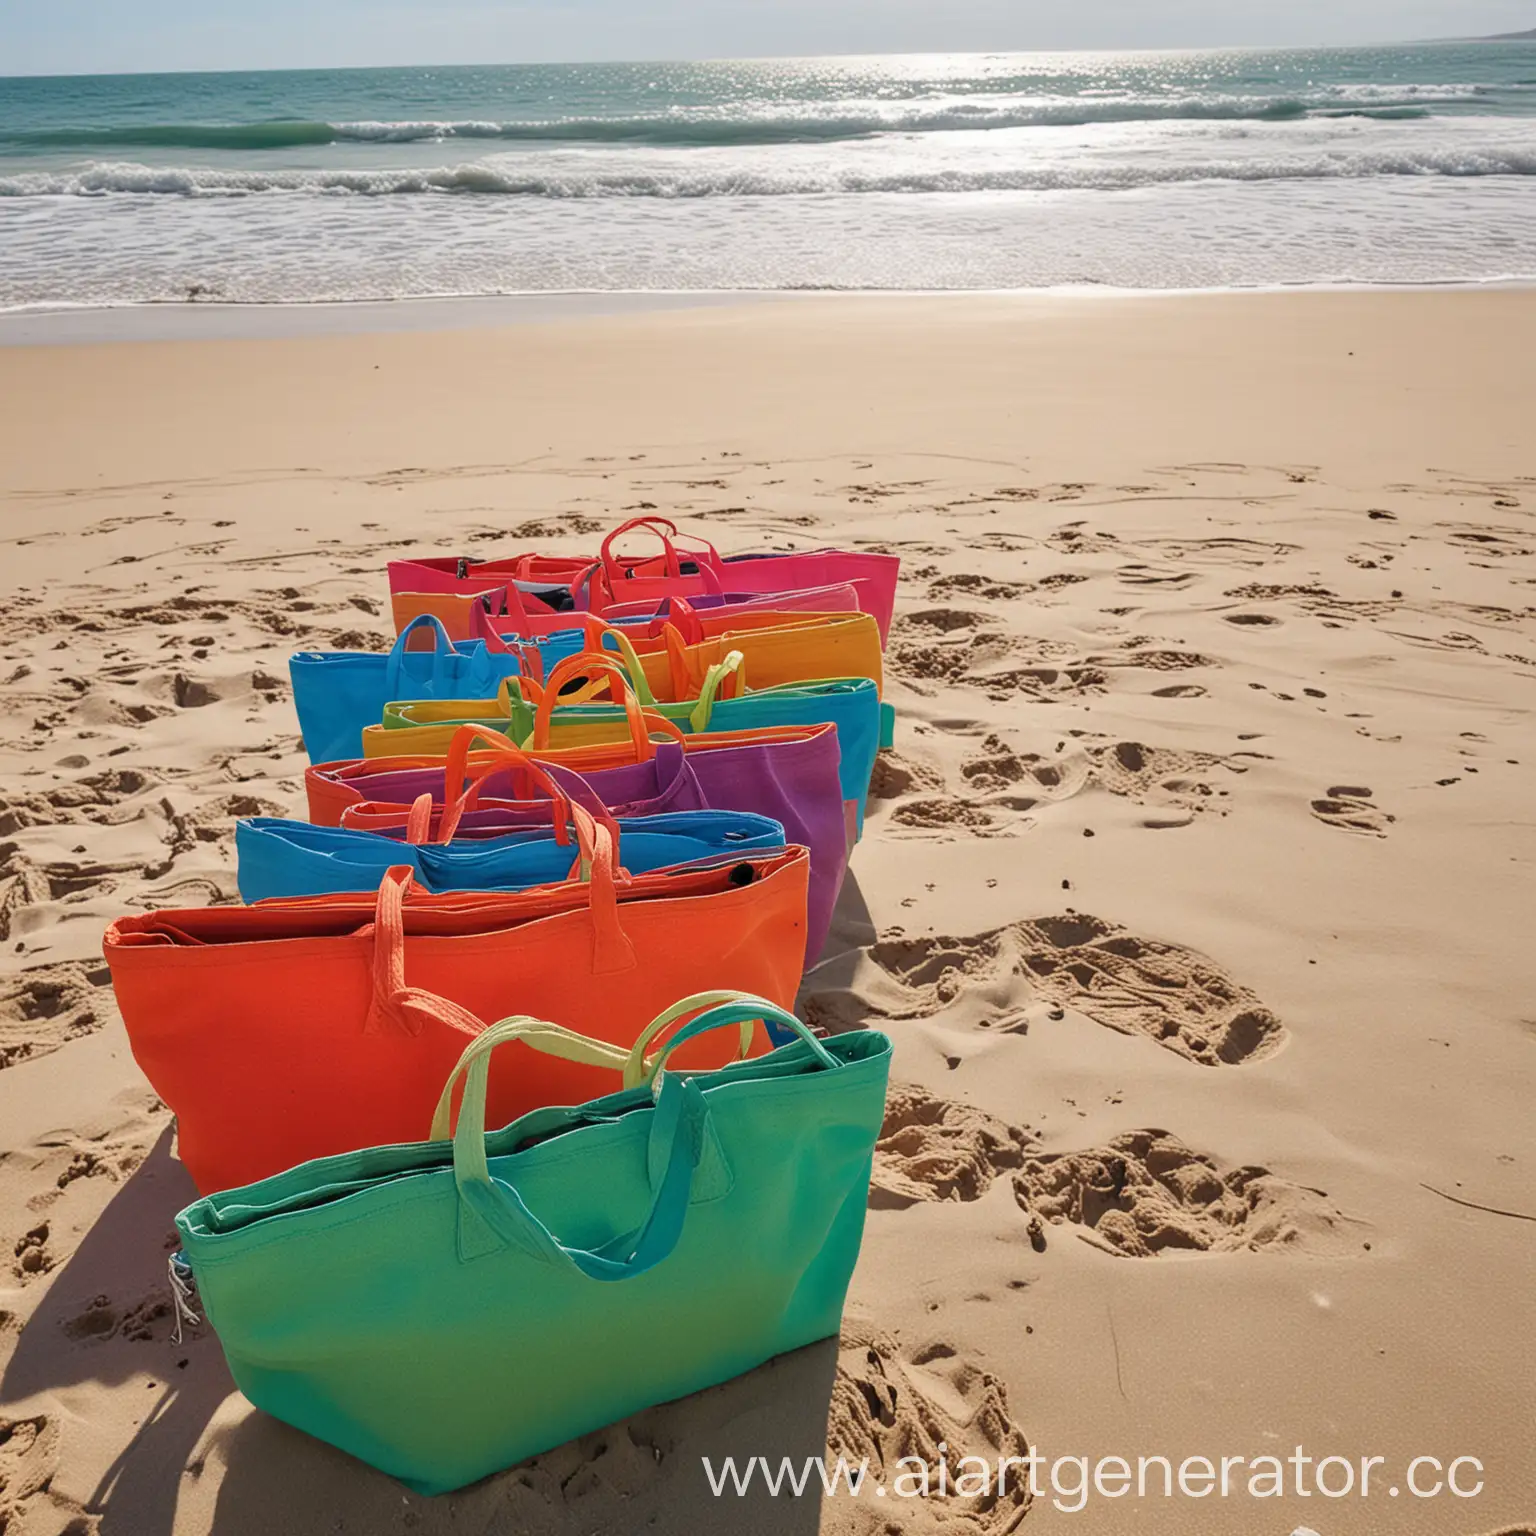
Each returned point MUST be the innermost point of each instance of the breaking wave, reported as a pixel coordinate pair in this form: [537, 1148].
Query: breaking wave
[683, 181]
[810, 122]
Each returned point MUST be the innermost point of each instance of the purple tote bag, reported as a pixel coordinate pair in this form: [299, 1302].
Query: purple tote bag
[795, 783]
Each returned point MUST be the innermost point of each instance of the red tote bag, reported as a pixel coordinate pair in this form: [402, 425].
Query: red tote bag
[290, 1030]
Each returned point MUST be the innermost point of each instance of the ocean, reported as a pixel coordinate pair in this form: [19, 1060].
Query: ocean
[1389, 165]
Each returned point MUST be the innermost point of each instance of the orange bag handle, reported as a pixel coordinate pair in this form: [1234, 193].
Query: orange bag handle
[394, 1003]
[494, 747]
[408, 1008]
[642, 723]
[687, 673]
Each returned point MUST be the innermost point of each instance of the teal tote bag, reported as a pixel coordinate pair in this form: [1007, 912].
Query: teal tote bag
[448, 1308]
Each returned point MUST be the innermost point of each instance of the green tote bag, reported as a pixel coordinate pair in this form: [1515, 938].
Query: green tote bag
[448, 1308]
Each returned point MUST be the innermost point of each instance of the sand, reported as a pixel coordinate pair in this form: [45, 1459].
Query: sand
[1196, 893]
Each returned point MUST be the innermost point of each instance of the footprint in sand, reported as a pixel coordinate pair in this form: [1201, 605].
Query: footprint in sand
[1141, 1194]
[1145, 1193]
[1079, 539]
[896, 775]
[938, 620]
[25, 883]
[930, 1402]
[1177, 783]
[944, 813]
[938, 1149]
[1178, 997]
[1139, 575]
[970, 585]
[1221, 550]
[211, 822]
[47, 1006]
[30, 1253]
[1500, 544]
[29, 1458]
[932, 810]
[980, 660]
[1349, 808]
[147, 1320]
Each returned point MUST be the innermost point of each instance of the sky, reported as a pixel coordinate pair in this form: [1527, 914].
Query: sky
[106, 36]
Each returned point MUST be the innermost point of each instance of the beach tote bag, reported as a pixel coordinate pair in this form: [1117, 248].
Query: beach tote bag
[337, 693]
[448, 1308]
[789, 776]
[851, 704]
[515, 614]
[296, 858]
[695, 570]
[331, 787]
[294, 1029]
[784, 787]
[793, 648]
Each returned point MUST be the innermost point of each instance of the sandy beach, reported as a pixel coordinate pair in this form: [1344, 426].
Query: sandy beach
[1195, 894]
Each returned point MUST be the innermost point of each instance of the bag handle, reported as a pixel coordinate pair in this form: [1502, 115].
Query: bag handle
[642, 723]
[597, 633]
[442, 646]
[492, 1213]
[664, 529]
[392, 1002]
[483, 629]
[733, 665]
[551, 1039]
[461, 781]
[459, 796]
[682, 613]
[514, 608]
[719, 1009]
[568, 1045]
[466, 796]
[408, 1008]
[706, 559]
[683, 663]
[585, 599]
[613, 676]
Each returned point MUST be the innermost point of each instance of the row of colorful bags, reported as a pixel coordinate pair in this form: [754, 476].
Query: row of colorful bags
[614, 816]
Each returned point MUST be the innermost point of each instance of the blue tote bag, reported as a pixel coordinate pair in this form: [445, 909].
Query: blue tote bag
[293, 858]
[447, 1308]
[337, 693]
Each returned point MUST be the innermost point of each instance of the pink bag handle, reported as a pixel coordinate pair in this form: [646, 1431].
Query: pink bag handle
[513, 609]
[588, 600]
[664, 529]
[482, 627]
[684, 615]
[614, 570]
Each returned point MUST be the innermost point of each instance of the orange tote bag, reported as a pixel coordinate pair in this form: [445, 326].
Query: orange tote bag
[775, 648]
[295, 1029]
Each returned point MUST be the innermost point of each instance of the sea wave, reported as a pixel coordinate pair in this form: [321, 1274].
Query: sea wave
[811, 122]
[682, 181]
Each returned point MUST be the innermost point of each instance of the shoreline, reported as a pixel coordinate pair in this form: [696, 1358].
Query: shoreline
[163, 320]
